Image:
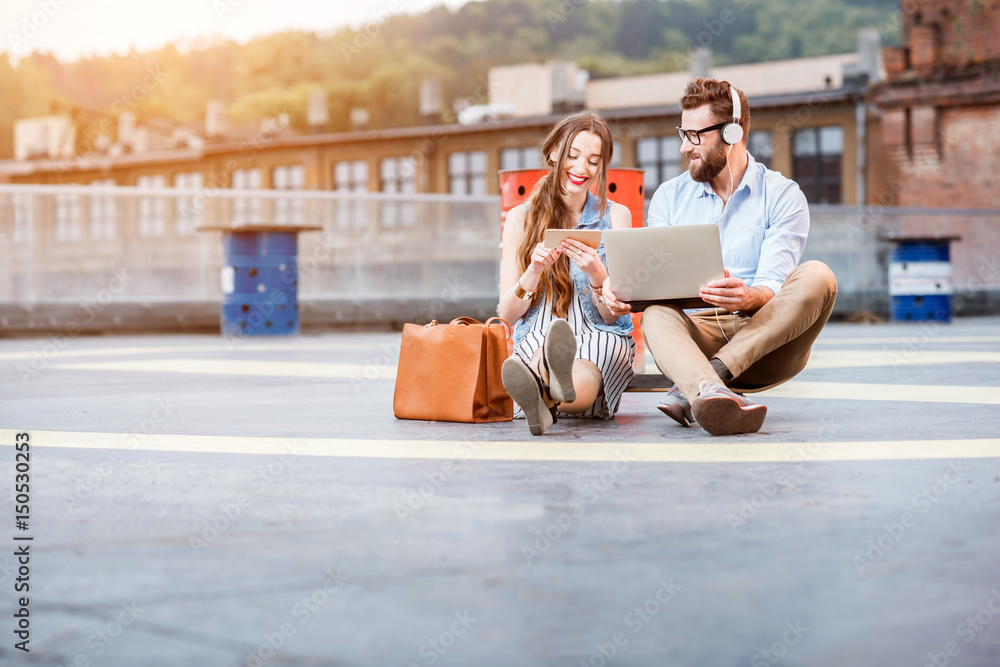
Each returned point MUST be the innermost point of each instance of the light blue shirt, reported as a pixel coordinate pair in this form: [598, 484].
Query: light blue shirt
[763, 228]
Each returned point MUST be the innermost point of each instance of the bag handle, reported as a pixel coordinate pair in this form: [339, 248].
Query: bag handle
[468, 321]
[502, 321]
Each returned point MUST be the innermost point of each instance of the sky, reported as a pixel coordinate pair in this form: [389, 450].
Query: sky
[75, 28]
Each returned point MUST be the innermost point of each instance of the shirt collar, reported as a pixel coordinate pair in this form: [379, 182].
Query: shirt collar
[751, 179]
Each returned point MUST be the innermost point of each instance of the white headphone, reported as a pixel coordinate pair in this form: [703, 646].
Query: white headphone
[732, 133]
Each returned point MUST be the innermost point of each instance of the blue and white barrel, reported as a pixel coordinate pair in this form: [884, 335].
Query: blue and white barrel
[920, 282]
[260, 283]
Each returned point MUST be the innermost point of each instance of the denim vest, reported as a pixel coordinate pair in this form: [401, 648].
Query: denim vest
[623, 325]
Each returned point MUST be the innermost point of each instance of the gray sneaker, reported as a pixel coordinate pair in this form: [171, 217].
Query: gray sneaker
[721, 411]
[676, 406]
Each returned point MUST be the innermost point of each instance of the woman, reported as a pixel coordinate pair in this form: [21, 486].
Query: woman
[572, 353]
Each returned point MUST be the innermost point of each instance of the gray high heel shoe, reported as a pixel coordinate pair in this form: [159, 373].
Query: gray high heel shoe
[528, 391]
[558, 353]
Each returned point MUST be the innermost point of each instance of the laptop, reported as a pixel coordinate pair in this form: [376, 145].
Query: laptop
[655, 265]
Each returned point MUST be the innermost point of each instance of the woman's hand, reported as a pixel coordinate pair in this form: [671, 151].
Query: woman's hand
[586, 258]
[542, 257]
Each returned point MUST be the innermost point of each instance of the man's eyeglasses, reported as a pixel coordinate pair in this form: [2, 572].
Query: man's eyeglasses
[694, 136]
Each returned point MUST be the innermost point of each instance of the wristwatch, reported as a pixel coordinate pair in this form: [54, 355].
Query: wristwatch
[520, 293]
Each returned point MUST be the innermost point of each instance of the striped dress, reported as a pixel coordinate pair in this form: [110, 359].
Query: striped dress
[610, 352]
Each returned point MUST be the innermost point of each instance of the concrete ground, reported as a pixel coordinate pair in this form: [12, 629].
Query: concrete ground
[201, 502]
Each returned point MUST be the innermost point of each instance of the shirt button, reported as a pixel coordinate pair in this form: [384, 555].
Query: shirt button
[750, 229]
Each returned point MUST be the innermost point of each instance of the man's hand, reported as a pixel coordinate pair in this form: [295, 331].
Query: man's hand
[734, 295]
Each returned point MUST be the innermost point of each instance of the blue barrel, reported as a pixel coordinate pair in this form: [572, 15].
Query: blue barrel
[920, 281]
[260, 283]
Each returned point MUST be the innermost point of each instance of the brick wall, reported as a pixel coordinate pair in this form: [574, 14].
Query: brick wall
[952, 33]
[964, 172]
[940, 105]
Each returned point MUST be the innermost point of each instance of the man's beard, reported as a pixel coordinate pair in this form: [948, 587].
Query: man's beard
[709, 166]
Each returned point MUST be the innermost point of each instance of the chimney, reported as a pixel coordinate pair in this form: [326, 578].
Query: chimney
[866, 70]
[701, 62]
[318, 114]
[126, 129]
[430, 100]
[869, 48]
[359, 118]
[215, 121]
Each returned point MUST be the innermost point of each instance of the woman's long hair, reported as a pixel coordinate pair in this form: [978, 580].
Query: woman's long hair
[546, 209]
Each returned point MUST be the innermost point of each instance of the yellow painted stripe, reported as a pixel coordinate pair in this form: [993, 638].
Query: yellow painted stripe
[50, 350]
[300, 369]
[821, 359]
[856, 391]
[859, 391]
[745, 449]
[916, 338]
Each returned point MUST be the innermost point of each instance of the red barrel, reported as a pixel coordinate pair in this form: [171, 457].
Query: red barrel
[625, 187]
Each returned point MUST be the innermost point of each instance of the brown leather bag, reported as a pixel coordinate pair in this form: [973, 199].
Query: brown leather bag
[451, 372]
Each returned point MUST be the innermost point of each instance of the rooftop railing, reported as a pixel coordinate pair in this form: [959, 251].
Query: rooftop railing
[63, 244]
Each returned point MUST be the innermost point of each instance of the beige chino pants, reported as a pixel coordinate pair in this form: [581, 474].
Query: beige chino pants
[762, 350]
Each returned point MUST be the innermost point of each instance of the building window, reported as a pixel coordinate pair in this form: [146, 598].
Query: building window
[398, 175]
[190, 207]
[289, 177]
[817, 158]
[527, 157]
[152, 219]
[103, 213]
[351, 176]
[760, 143]
[67, 226]
[246, 209]
[467, 173]
[661, 159]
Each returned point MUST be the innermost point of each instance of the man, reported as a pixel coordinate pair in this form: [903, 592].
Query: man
[769, 310]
